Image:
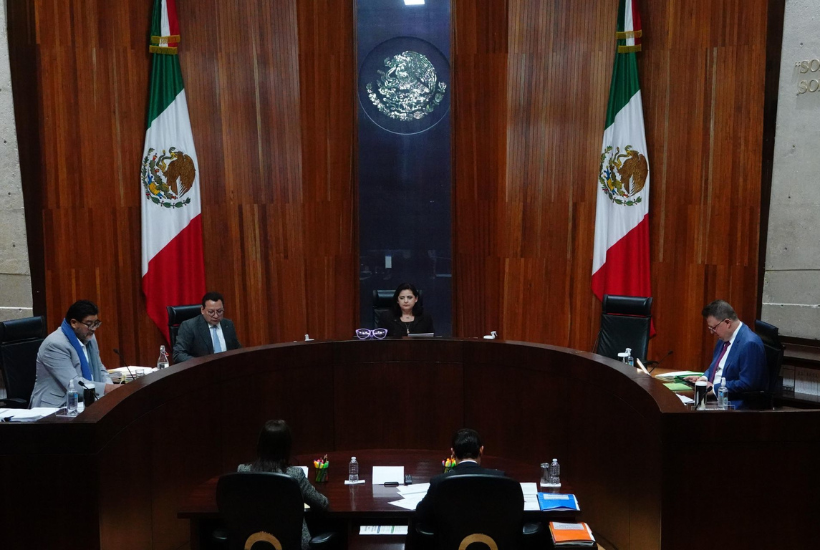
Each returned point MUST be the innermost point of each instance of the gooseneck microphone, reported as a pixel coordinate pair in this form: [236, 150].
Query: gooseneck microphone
[657, 363]
[124, 364]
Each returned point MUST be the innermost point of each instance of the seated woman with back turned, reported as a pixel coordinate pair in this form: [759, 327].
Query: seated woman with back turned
[273, 455]
[406, 316]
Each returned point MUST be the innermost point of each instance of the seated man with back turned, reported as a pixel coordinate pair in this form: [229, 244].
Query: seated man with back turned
[467, 449]
[207, 333]
[739, 355]
[70, 353]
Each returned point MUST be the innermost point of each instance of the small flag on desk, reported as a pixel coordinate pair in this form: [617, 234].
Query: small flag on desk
[173, 271]
[620, 262]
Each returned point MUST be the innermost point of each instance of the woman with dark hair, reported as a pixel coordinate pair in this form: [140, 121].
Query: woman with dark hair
[273, 455]
[406, 316]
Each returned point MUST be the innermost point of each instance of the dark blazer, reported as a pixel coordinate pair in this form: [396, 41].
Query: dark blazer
[194, 338]
[745, 368]
[422, 324]
[424, 510]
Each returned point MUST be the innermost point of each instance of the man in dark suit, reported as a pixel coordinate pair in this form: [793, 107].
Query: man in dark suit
[739, 355]
[207, 333]
[467, 450]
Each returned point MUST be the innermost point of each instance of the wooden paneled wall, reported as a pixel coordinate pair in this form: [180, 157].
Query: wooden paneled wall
[529, 98]
[271, 90]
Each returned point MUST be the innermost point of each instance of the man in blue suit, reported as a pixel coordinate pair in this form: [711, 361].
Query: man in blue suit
[739, 355]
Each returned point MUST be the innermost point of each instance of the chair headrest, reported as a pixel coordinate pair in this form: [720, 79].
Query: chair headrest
[178, 314]
[627, 305]
[768, 334]
[17, 330]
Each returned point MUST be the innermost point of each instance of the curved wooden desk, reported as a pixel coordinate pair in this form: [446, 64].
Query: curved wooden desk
[626, 442]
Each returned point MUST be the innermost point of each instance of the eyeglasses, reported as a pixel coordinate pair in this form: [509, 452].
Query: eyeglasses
[214, 312]
[91, 324]
[712, 329]
[366, 333]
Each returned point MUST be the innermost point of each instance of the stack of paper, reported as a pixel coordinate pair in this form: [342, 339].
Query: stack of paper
[129, 373]
[26, 415]
[571, 534]
[411, 495]
[383, 530]
[558, 502]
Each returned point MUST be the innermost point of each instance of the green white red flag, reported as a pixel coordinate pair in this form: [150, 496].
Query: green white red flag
[620, 262]
[173, 271]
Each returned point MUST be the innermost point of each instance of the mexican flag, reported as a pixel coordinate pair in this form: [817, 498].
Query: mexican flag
[620, 263]
[173, 271]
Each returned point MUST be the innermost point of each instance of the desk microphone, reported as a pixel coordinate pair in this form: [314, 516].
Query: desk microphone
[124, 364]
[657, 363]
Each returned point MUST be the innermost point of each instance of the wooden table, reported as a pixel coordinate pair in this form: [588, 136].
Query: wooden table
[354, 505]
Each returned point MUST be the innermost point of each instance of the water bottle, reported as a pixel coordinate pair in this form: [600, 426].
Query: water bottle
[723, 394]
[555, 472]
[71, 399]
[162, 362]
[353, 470]
[629, 359]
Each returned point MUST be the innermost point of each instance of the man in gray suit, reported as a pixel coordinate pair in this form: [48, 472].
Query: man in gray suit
[207, 333]
[70, 353]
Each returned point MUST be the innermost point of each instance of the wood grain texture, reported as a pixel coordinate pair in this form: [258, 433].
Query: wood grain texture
[529, 104]
[271, 91]
[270, 94]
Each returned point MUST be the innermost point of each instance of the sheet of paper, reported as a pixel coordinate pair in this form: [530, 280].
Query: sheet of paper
[414, 489]
[686, 400]
[383, 530]
[678, 373]
[304, 469]
[28, 415]
[408, 503]
[531, 502]
[529, 488]
[386, 474]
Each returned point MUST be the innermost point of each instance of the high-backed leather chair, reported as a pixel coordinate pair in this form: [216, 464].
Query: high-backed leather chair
[262, 506]
[20, 340]
[179, 314]
[625, 323]
[383, 301]
[764, 399]
[475, 508]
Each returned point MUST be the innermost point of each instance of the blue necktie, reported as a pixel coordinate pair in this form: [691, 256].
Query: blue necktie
[217, 347]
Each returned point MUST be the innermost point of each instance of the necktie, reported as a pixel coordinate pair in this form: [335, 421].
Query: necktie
[722, 353]
[217, 346]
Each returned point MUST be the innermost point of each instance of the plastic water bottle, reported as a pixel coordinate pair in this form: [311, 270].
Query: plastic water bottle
[555, 472]
[629, 359]
[162, 362]
[723, 394]
[72, 398]
[353, 470]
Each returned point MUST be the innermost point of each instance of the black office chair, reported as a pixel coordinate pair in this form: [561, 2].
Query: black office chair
[764, 399]
[262, 506]
[177, 315]
[625, 323]
[20, 340]
[383, 301]
[475, 508]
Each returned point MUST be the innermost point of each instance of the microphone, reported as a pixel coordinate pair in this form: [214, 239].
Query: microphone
[656, 363]
[80, 382]
[124, 364]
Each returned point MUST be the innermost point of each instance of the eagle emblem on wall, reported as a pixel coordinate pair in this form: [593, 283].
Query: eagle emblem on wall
[409, 89]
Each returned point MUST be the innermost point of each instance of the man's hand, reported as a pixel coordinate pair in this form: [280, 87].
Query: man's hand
[694, 379]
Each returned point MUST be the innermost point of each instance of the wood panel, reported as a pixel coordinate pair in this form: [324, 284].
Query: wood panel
[270, 94]
[270, 87]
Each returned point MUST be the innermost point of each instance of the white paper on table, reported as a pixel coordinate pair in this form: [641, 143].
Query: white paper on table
[686, 400]
[419, 488]
[529, 488]
[304, 469]
[28, 415]
[383, 530]
[387, 474]
[531, 502]
[408, 503]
